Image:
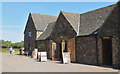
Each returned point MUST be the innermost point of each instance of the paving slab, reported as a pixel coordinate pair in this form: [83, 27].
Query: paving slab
[20, 63]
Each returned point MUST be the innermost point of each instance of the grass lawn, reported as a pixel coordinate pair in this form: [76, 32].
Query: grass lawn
[6, 50]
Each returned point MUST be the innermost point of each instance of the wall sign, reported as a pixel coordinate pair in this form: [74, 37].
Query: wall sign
[66, 57]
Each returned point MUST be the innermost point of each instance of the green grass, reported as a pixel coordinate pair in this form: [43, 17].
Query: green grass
[6, 50]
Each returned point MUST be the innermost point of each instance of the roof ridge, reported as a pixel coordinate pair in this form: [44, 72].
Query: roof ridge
[52, 22]
[46, 33]
[98, 9]
[42, 14]
[69, 12]
[48, 25]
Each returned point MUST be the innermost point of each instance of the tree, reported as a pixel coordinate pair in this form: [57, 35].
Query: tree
[18, 45]
[7, 44]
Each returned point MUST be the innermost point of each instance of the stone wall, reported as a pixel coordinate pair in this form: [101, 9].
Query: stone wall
[119, 17]
[110, 28]
[86, 50]
[119, 32]
[71, 49]
[62, 28]
[114, 52]
[30, 40]
[100, 55]
[118, 52]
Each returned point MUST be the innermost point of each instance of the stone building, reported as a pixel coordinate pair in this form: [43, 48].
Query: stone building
[91, 38]
[97, 39]
[35, 26]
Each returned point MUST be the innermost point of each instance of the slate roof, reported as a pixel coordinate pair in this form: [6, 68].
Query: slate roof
[73, 19]
[47, 32]
[41, 20]
[91, 21]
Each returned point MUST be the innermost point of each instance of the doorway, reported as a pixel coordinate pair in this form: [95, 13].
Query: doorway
[29, 50]
[54, 50]
[107, 51]
[60, 50]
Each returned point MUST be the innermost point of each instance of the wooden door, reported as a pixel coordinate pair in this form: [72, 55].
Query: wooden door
[53, 50]
[107, 51]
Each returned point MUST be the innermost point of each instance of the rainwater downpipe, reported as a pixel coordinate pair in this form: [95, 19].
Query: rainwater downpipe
[96, 48]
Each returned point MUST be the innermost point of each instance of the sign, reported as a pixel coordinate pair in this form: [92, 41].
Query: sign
[66, 57]
[38, 56]
[42, 56]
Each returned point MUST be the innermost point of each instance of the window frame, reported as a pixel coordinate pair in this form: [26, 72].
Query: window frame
[29, 34]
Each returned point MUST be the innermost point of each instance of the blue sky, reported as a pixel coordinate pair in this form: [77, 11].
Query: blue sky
[15, 14]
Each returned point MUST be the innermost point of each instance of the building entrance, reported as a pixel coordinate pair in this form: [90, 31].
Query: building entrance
[107, 51]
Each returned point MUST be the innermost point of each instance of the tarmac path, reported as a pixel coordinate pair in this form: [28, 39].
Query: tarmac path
[20, 63]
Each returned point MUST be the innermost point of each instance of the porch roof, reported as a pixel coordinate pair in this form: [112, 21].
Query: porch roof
[46, 32]
[41, 20]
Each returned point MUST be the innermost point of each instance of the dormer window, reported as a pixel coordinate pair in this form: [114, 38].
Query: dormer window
[29, 34]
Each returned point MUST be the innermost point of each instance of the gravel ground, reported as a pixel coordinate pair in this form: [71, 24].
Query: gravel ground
[19, 63]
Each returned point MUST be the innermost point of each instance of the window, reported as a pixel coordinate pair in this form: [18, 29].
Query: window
[29, 34]
[29, 47]
[54, 46]
[95, 32]
[63, 47]
[41, 44]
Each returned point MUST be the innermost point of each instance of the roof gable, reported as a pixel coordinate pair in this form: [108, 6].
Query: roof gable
[29, 22]
[93, 20]
[111, 26]
[47, 32]
[73, 19]
[41, 20]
